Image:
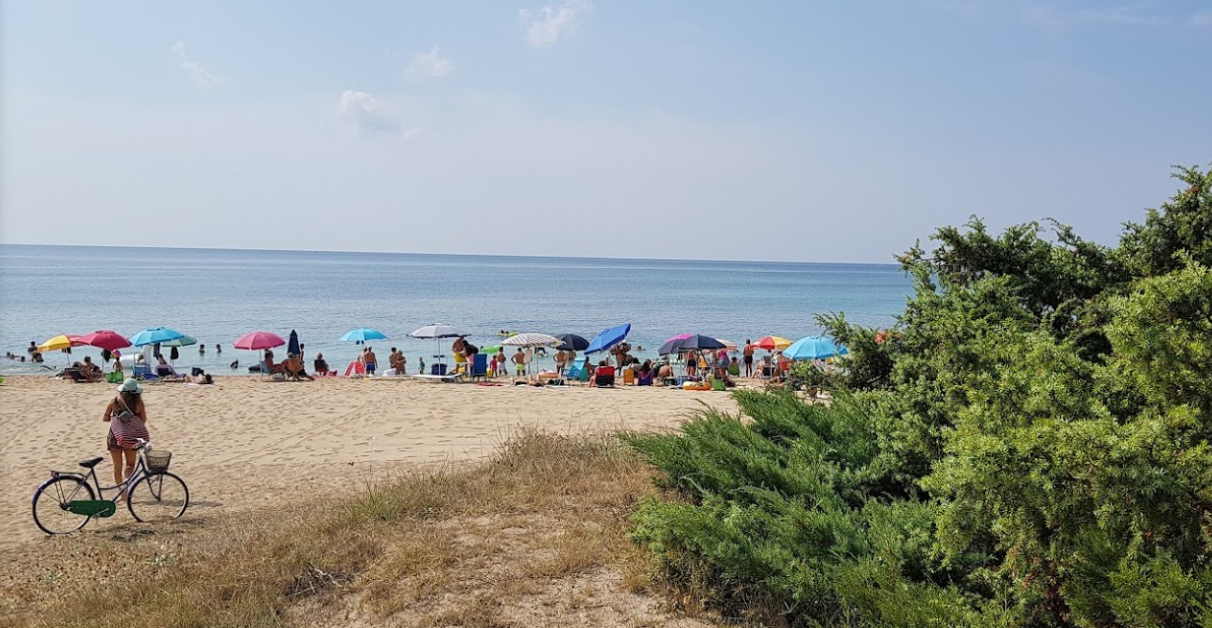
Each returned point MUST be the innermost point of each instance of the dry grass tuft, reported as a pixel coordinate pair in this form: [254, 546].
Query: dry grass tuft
[535, 536]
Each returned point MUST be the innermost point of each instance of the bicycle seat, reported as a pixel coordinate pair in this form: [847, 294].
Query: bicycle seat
[90, 463]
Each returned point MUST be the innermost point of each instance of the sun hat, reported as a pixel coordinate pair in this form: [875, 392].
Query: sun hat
[130, 386]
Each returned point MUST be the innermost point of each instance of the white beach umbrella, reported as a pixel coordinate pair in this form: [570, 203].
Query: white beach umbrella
[437, 331]
[530, 340]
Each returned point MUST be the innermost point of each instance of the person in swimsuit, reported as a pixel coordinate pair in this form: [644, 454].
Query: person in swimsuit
[519, 360]
[370, 361]
[129, 399]
[748, 355]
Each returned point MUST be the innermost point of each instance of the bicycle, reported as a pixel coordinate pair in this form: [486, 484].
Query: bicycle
[66, 502]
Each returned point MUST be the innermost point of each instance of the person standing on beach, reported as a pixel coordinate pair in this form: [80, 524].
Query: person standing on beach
[371, 361]
[747, 353]
[519, 361]
[127, 418]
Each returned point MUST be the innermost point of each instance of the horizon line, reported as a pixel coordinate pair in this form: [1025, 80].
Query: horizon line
[576, 257]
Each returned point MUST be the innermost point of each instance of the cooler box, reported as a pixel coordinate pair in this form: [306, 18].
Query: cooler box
[438, 369]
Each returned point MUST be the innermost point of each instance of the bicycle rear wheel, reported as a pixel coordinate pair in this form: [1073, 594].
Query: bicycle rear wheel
[51, 501]
[158, 497]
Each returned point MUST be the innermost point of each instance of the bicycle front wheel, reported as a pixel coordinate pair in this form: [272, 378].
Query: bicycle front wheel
[158, 497]
[51, 502]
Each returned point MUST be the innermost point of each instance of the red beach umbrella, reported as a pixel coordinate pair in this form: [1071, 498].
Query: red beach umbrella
[257, 340]
[104, 339]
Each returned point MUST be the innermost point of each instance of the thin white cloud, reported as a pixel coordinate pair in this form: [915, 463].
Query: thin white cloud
[428, 65]
[200, 75]
[372, 117]
[1203, 18]
[545, 26]
[1150, 13]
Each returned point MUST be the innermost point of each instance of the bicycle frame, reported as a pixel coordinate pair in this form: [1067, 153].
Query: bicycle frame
[139, 473]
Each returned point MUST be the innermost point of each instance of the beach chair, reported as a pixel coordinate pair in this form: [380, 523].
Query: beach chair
[603, 377]
[479, 367]
[357, 367]
[629, 377]
[573, 373]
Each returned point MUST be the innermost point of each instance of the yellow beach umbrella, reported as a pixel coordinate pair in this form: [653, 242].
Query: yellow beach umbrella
[59, 343]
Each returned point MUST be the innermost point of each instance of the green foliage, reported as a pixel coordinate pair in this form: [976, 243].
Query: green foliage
[1181, 230]
[1028, 446]
[809, 505]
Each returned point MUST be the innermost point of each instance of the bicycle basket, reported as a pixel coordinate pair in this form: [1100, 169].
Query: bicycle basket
[157, 460]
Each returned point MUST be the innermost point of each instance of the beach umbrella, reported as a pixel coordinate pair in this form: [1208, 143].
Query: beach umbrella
[571, 342]
[437, 331]
[814, 348]
[105, 339]
[59, 343]
[608, 338]
[183, 341]
[699, 342]
[292, 345]
[728, 344]
[530, 340]
[688, 342]
[257, 340]
[673, 344]
[772, 343]
[362, 334]
[154, 335]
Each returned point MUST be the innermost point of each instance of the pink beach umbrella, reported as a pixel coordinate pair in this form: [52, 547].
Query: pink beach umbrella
[258, 340]
[104, 339]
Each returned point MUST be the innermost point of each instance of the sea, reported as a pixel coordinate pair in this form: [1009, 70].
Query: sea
[217, 295]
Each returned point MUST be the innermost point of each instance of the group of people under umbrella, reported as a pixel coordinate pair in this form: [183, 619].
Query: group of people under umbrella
[703, 357]
[111, 343]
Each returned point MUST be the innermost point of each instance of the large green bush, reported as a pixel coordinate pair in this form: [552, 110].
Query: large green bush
[1028, 446]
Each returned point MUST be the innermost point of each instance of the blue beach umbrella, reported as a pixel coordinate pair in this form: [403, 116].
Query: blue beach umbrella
[153, 335]
[608, 338]
[362, 334]
[814, 348]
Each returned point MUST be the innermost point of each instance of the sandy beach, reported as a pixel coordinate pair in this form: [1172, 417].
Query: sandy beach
[244, 441]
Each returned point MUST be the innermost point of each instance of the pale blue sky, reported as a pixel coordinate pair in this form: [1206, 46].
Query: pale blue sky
[813, 131]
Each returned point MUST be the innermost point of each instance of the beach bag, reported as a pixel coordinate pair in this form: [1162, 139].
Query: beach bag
[126, 427]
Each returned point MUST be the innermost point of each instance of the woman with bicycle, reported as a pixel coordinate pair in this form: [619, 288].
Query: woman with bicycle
[127, 418]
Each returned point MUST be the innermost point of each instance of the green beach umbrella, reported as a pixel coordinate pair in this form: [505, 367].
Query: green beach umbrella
[183, 341]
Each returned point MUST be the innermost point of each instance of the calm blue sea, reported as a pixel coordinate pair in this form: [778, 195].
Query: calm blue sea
[217, 295]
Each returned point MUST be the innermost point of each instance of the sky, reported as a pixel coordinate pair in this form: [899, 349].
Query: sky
[790, 131]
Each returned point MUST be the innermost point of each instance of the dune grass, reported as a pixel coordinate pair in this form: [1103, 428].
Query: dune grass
[538, 531]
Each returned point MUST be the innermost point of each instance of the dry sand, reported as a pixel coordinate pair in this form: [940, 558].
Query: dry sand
[244, 442]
